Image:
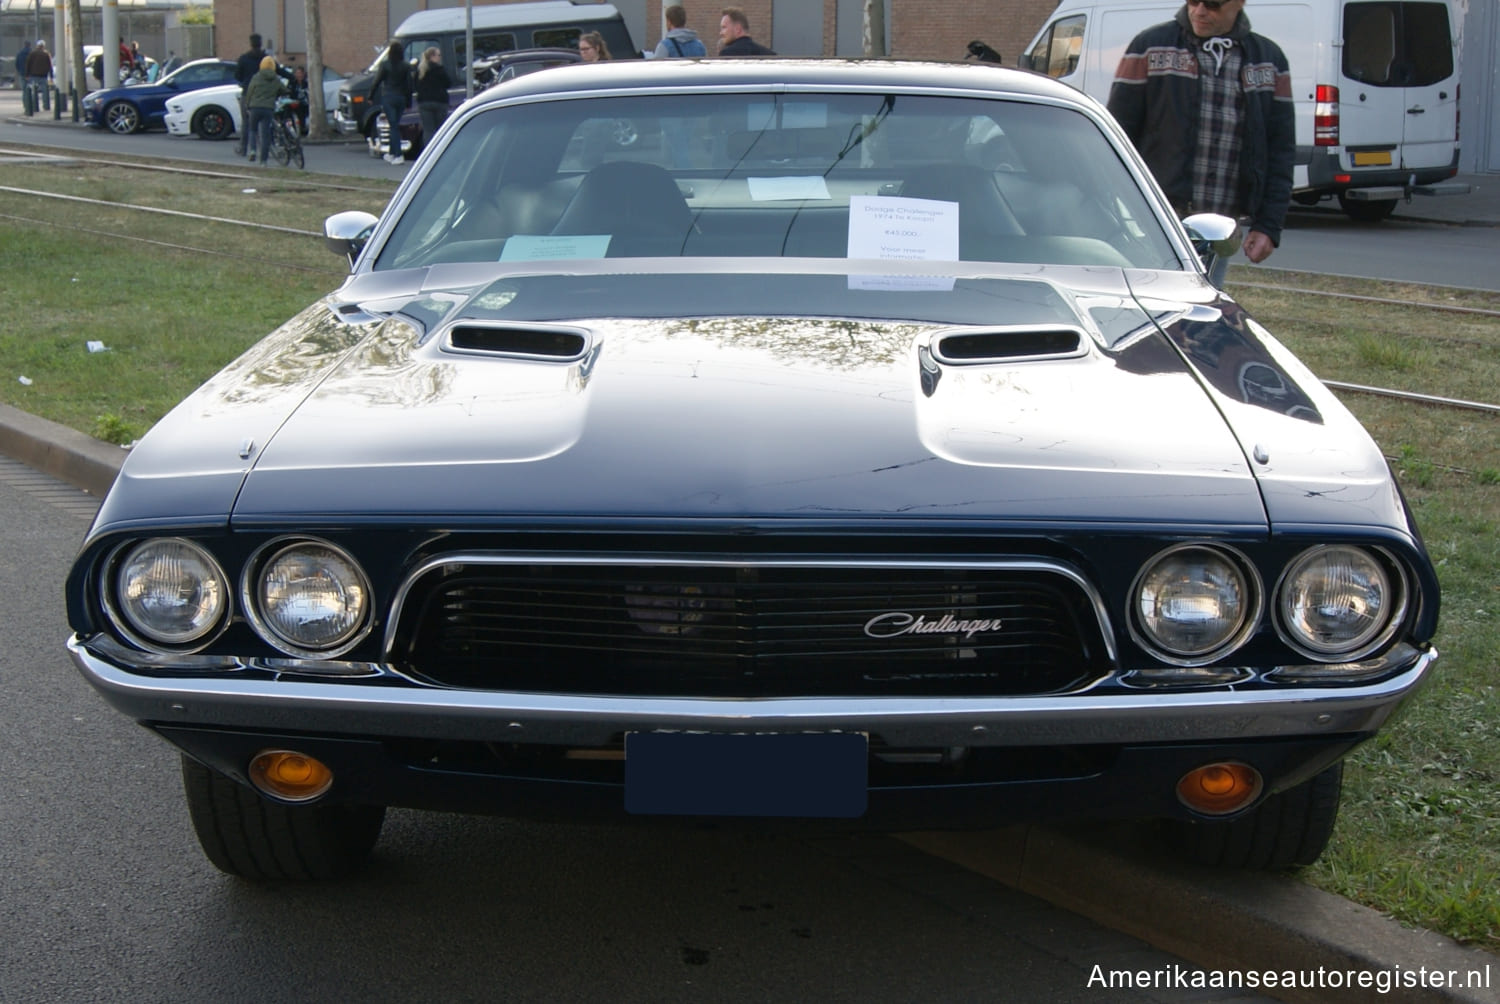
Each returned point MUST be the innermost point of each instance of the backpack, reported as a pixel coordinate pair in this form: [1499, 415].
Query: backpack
[693, 48]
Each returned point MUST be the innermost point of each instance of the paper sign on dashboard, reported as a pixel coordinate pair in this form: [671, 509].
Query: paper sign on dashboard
[902, 229]
[552, 247]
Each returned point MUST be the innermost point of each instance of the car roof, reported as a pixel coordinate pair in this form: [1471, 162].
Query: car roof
[507, 15]
[789, 74]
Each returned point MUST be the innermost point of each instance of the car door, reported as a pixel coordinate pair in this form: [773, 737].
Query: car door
[1399, 97]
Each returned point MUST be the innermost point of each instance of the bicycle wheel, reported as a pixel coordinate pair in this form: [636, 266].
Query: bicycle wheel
[278, 144]
[294, 146]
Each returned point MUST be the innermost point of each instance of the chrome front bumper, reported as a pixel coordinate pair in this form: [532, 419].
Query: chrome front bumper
[392, 707]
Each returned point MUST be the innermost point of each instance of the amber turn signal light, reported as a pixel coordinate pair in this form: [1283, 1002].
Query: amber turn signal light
[1216, 789]
[290, 776]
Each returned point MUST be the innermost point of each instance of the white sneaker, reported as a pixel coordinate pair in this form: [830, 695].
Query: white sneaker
[398, 159]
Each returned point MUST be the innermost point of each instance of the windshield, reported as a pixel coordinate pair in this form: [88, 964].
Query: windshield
[868, 176]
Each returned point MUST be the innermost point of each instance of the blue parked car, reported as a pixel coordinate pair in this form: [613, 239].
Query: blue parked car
[141, 106]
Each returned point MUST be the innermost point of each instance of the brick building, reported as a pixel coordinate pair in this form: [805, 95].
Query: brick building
[931, 29]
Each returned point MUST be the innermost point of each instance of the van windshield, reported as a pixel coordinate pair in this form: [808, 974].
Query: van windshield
[1397, 44]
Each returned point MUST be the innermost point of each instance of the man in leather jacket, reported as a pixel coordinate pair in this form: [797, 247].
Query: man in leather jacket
[1208, 103]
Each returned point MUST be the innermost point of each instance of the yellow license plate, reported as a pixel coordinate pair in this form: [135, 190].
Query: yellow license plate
[1373, 159]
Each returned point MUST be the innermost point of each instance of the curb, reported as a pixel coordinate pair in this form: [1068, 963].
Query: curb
[59, 451]
[1224, 921]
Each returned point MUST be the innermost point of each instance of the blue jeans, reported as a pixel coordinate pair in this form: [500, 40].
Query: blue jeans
[393, 106]
[258, 132]
[41, 93]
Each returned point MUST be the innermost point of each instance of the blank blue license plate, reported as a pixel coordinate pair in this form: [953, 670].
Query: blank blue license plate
[821, 775]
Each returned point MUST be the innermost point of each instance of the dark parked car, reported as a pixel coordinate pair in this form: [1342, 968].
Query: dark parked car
[143, 106]
[872, 449]
[487, 73]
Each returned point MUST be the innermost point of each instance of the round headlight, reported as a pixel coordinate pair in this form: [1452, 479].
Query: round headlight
[1337, 602]
[1193, 604]
[311, 598]
[169, 592]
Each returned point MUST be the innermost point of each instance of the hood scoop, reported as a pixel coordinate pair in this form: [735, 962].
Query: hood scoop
[970, 346]
[553, 342]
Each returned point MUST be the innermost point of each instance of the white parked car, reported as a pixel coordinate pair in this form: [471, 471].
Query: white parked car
[214, 112]
[210, 112]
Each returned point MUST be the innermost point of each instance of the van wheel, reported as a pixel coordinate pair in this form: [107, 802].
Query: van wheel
[1289, 829]
[1372, 211]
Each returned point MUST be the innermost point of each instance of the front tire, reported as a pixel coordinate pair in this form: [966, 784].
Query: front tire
[213, 122]
[1289, 829]
[1366, 211]
[122, 117]
[246, 835]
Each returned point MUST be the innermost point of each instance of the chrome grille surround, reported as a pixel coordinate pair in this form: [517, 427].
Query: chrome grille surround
[735, 627]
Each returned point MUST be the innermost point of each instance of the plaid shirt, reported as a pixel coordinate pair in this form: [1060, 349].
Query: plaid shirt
[1216, 162]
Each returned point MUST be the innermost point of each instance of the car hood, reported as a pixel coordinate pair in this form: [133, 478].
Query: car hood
[449, 409]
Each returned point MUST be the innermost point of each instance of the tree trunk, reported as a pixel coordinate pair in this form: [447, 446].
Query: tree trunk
[317, 115]
[75, 51]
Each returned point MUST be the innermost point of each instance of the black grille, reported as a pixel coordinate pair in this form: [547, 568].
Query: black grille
[750, 630]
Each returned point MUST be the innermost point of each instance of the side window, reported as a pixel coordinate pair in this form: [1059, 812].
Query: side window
[1395, 44]
[556, 38]
[486, 45]
[1056, 51]
[416, 46]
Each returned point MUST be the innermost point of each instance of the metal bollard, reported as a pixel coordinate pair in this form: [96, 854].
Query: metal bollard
[28, 104]
[57, 103]
[73, 100]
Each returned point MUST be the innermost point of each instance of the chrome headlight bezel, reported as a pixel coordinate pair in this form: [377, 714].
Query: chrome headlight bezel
[1395, 603]
[112, 591]
[1251, 607]
[253, 598]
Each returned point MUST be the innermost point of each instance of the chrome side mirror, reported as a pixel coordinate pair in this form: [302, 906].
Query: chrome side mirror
[347, 233]
[1213, 236]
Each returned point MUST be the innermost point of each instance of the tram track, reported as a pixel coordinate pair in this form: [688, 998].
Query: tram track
[1393, 393]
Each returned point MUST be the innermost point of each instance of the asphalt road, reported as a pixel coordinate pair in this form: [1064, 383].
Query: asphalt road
[1404, 248]
[107, 898]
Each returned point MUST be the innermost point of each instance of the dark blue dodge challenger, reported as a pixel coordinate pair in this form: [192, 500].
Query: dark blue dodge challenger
[863, 444]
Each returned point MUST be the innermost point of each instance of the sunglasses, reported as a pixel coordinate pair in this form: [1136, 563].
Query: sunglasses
[1213, 5]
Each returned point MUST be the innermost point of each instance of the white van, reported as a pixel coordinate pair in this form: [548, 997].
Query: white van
[1375, 84]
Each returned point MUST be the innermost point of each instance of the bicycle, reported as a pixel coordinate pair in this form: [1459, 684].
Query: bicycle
[286, 135]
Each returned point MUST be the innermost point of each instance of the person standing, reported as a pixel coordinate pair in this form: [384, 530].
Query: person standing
[245, 68]
[680, 41]
[260, 100]
[392, 85]
[592, 47]
[39, 76]
[21, 58]
[1208, 103]
[433, 83]
[734, 35]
